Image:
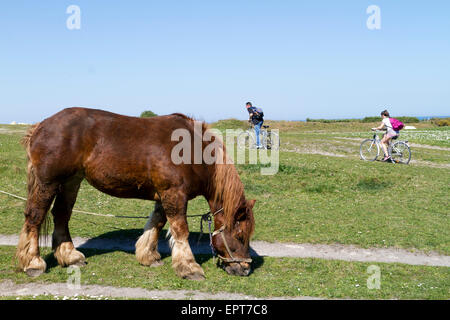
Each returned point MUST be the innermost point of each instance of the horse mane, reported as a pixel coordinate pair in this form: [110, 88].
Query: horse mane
[226, 186]
[228, 189]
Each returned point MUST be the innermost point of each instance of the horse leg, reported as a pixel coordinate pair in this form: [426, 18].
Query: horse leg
[183, 260]
[40, 197]
[64, 250]
[147, 246]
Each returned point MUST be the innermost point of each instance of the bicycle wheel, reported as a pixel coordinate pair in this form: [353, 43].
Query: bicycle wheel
[369, 150]
[400, 152]
[273, 141]
[246, 140]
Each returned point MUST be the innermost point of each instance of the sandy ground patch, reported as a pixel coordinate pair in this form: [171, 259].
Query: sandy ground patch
[430, 164]
[9, 288]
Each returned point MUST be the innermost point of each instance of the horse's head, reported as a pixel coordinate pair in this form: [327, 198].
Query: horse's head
[232, 239]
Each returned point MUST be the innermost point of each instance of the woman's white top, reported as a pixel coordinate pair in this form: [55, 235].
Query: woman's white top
[387, 123]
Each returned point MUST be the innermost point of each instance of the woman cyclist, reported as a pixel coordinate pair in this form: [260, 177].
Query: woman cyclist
[390, 133]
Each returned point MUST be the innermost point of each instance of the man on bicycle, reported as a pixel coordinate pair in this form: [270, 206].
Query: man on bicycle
[390, 133]
[256, 117]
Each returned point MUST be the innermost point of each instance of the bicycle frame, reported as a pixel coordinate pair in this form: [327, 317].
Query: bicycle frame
[391, 147]
[378, 140]
[266, 136]
[262, 131]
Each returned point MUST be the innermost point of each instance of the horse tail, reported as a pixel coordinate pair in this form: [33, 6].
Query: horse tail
[26, 142]
[32, 180]
[27, 137]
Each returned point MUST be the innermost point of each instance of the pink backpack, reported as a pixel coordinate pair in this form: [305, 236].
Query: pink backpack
[397, 125]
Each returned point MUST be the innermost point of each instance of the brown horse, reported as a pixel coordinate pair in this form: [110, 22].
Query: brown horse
[130, 157]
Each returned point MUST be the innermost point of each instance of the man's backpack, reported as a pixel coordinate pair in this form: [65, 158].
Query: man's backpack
[397, 125]
[260, 113]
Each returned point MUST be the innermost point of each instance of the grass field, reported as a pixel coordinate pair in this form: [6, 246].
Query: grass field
[323, 193]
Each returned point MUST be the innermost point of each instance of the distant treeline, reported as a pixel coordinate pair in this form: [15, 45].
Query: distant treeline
[402, 119]
[148, 114]
[332, 120]
[365, 120]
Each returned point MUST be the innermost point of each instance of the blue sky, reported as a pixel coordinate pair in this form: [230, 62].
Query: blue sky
[295, 59]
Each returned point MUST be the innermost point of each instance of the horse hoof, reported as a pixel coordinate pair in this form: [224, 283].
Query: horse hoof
[34, 272]
[67, 255]
[195, 276]
[150, 262]
[191, 271]
[157, 263]
[80, 263]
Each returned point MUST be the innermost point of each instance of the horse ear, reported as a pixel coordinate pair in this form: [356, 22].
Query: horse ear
[251, 203]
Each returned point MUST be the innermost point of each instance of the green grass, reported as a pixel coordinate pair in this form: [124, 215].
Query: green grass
[280, 276]
[328, 200]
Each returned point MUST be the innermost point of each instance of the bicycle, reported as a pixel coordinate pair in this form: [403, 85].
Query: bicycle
[399, 151]
[269, 140]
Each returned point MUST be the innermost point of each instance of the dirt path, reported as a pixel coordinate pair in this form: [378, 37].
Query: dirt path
[313, 151]
[430, 164]
[11, 131]
[354, 153]
[424, 146]
[63, 291]
[411, 144]
[262, 248]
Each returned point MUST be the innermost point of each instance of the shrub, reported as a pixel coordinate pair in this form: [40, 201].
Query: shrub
[402, 119]
[371, 119]
[441, 122]
[148, 114]
[230, 124]
[408, 119]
